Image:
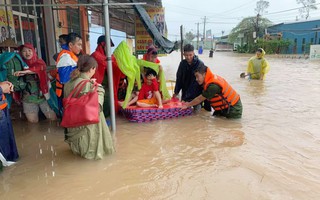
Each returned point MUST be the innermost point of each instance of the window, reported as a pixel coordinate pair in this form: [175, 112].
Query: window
[28, 29]
[295, 45]
[17, 29]
[303, 44]
[73, 16]
[25, 23]
[27, 9]
[311, 40]
[24, 9]
[16, 8]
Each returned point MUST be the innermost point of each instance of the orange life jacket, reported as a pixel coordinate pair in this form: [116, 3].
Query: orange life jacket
[228, 96]
[3, 102]
[59, 85]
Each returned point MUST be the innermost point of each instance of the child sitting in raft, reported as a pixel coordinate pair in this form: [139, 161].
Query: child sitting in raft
[135, 93]
[149, 95]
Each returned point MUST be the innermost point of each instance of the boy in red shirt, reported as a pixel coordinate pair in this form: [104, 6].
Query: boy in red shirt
[149, 95]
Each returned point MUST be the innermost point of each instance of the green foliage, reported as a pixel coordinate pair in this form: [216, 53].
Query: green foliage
[270, 46]
[242, 48]
[247, 26]
[189, 36]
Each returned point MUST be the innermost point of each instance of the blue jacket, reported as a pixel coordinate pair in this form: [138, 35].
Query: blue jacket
[8, 146]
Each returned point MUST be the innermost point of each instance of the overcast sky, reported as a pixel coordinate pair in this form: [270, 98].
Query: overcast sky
[223, 15]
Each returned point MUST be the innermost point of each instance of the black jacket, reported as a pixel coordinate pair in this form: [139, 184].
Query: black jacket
[186, 81]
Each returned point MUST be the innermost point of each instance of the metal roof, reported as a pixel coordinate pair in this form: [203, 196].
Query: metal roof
[122, 17]
[295, 22]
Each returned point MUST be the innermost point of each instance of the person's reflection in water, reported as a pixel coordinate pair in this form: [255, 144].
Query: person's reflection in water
[256, 88]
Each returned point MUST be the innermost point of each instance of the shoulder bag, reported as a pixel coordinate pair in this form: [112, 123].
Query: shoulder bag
[83, 110]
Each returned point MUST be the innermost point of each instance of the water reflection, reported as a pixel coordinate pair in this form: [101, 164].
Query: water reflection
[256, 88]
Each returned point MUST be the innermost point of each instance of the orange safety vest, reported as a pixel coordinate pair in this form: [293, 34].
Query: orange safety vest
[59, 85]
[227, 97]
[3, 102]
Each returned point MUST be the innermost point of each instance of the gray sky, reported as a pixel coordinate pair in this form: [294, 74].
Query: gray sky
[223, 15]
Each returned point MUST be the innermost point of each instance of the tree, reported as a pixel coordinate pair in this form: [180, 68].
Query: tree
[307, 6]
[261, 7]
[247, 26]
[189, 36]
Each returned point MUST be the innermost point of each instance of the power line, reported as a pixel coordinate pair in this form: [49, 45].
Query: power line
[279, 15]
[222, 22]
[289, 10]
[292, 16]
[236, 8]
[225, 12]
[188, 21]
[179, 6]
[211, 14]
[192, 14]
[185, 13]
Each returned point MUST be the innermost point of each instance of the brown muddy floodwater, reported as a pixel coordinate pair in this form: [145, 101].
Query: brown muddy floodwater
[271, 153]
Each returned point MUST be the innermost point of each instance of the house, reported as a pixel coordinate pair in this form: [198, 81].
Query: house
[302, 34]
[222, 44]
[40, 22]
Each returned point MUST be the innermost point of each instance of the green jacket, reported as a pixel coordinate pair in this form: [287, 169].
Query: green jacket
[92, 141]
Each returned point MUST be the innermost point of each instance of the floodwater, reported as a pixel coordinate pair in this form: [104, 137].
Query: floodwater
[271, 153]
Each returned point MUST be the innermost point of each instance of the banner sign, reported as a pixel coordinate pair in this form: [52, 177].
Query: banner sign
[314, 52]
[143, 39]
[4, 28]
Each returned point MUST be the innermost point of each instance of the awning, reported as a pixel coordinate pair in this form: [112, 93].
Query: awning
[122, 17]
[159, 39]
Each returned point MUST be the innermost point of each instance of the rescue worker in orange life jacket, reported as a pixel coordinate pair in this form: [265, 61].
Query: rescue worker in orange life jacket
[66, 63]
[223, 98]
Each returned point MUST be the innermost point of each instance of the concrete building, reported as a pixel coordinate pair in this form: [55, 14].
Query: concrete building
[40, 22]
[302, 34]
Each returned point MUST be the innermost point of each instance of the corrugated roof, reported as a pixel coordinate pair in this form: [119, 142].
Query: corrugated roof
[295, 22]
[122, 17]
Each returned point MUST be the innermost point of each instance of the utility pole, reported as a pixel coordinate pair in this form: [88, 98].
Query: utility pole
[197, 35]
[257, 27]
[204, 28]
[181, 37]
[109, 64]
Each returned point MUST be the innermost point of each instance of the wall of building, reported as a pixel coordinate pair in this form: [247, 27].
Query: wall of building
[73, 19]
[301, 35]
